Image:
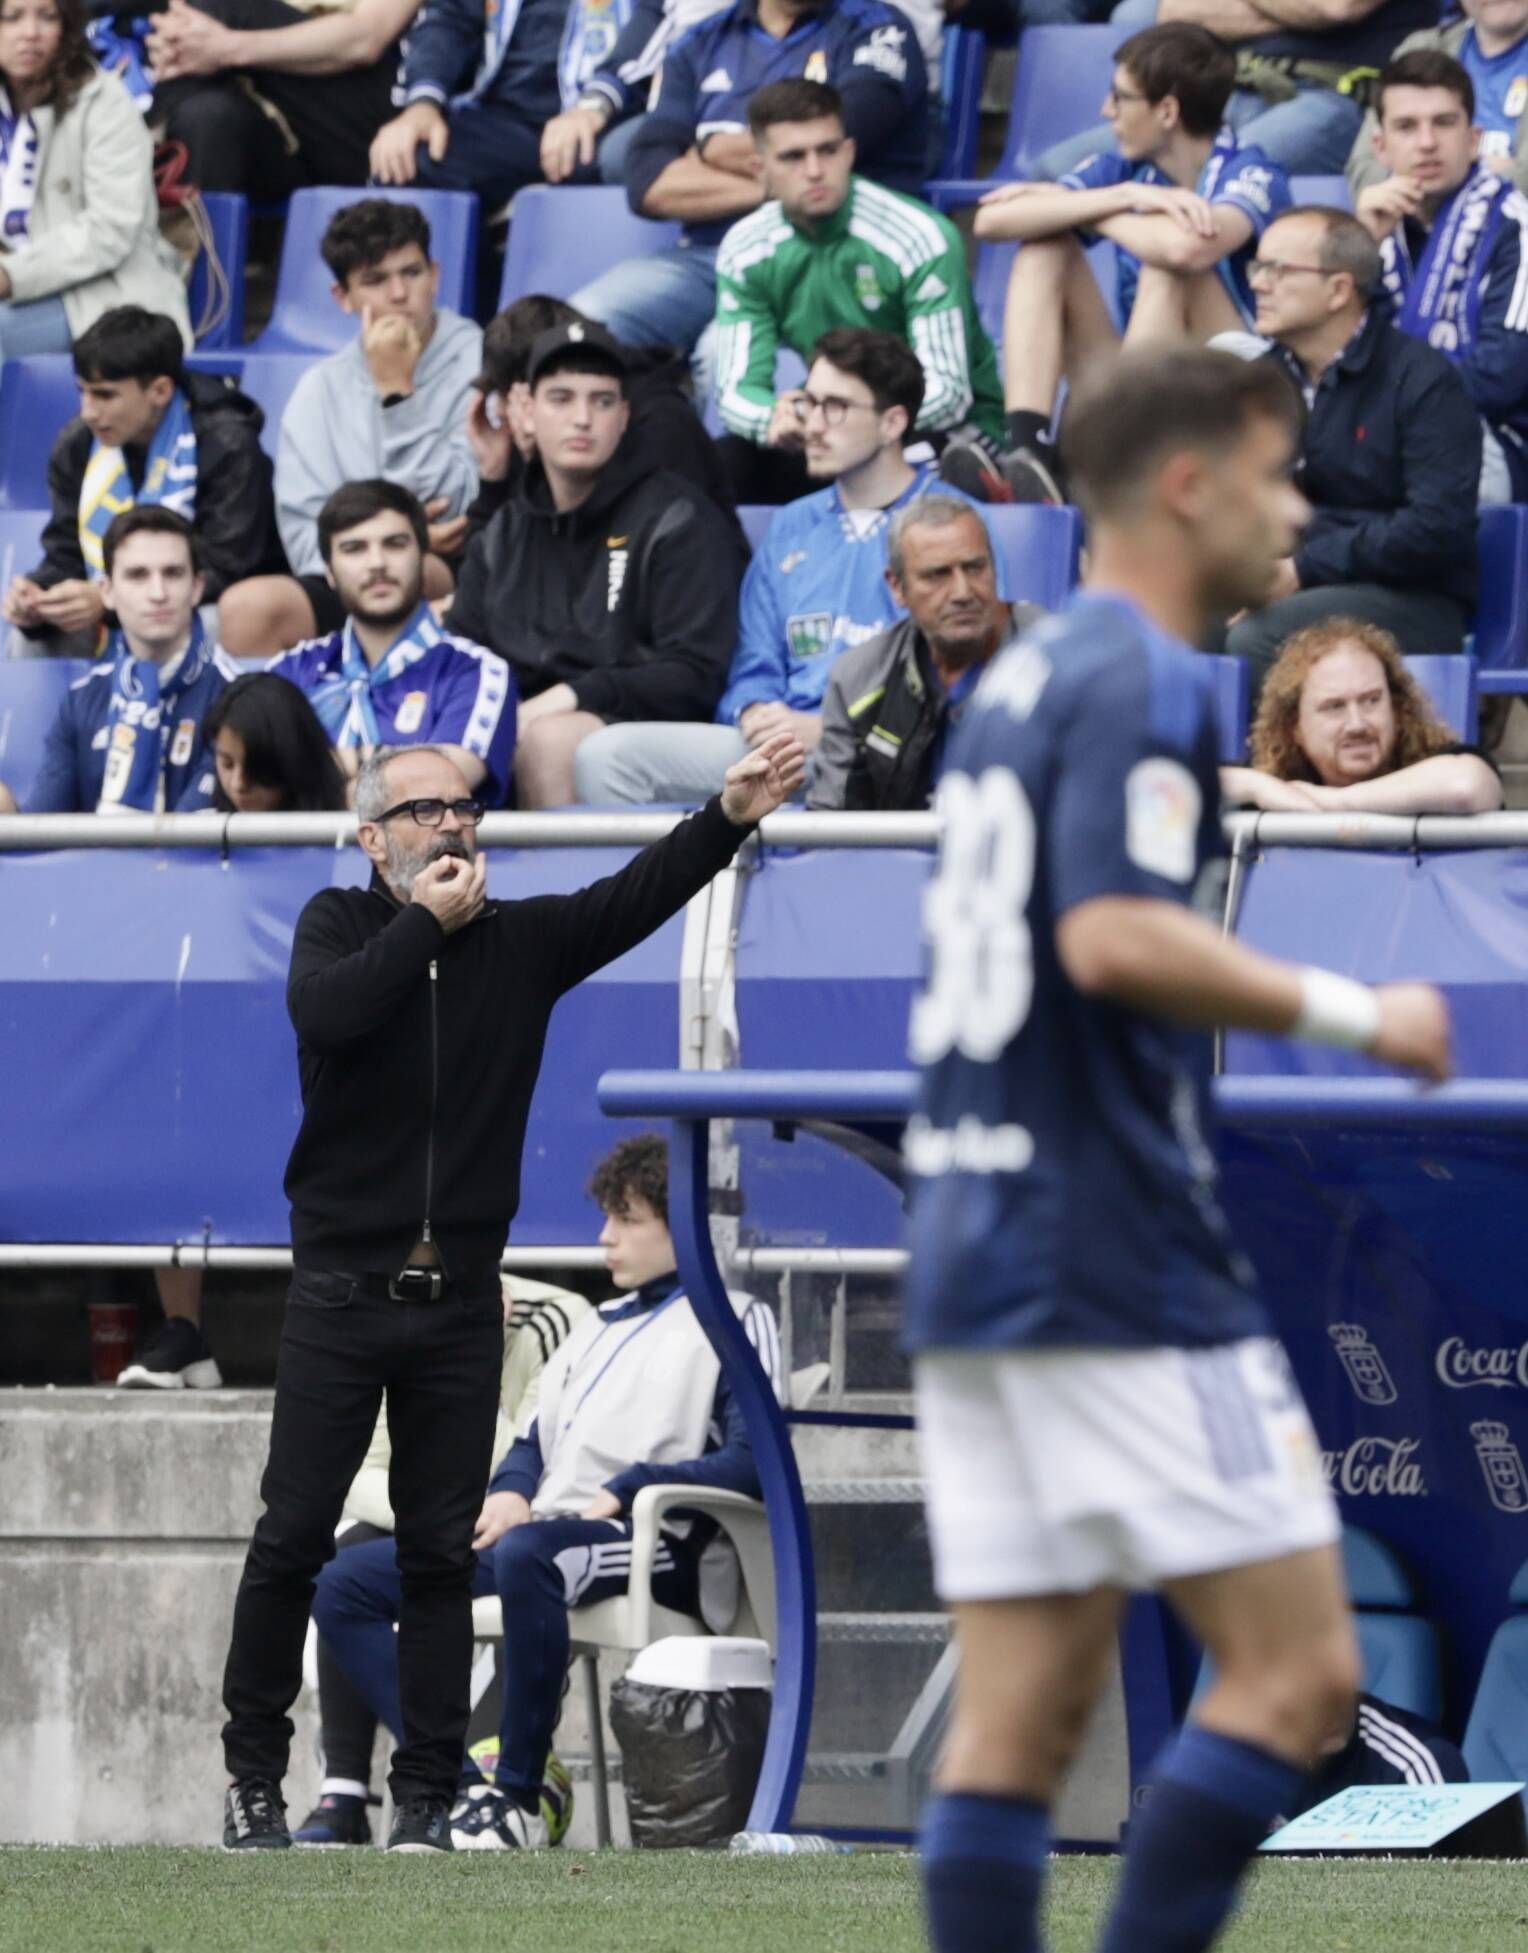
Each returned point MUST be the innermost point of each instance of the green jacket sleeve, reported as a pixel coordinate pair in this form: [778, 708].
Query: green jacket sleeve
[747, 339]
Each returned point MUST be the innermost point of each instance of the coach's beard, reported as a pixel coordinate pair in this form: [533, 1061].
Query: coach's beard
[403, 869]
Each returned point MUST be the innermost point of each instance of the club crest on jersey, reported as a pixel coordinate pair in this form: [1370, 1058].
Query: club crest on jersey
[1502, 1464]
[1517, 97]
[1162, 806]
[410, 715]
[1365, 1367]
[810, 635]
[866, 289]
[816, 68]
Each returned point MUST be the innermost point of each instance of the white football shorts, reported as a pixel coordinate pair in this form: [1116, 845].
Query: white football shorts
[1060, 1470]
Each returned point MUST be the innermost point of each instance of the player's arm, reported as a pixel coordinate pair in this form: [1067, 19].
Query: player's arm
[1148, 954]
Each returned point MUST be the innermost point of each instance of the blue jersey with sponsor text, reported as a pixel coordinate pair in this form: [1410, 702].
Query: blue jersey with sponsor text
[1063, 1190]
[1241, 176]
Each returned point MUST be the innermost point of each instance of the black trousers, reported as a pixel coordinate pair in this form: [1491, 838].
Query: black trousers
[344, 1343]
[347, 1722]
[234, 145]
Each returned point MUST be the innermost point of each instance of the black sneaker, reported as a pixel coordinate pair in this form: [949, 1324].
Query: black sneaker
[336, 1819]
[1032, 477]
[421, 1824]
[972, 463]
[254, 1817]
[175, 1357]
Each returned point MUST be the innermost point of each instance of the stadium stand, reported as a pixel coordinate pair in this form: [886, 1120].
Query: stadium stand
[37, 396]
[218, 273]
[1062, 76]
[31, 690]
[1496, 1736]
[562, 238]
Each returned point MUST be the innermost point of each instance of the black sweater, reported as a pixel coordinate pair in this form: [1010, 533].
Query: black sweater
[418, 1051]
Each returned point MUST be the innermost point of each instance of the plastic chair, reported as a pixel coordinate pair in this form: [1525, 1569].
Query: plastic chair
[1496, 1737]
[1450, 682]
[31, 690]
[755, 518]
[38, 397]
[268, 379]
[20, 542]
[305, 318]
[962, 69]
[1330, 190]
[228, 216]
[563, 236]
[1040, 549]
[1058, 90]
[1401, 1656]
[1233, 708]
[1501, 618]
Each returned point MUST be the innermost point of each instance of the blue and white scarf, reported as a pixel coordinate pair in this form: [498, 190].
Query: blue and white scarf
[169, 478]
[141, 721]
[345, 701]
[20, 156]
[1437, 297]
[120, 44]
[589, 34]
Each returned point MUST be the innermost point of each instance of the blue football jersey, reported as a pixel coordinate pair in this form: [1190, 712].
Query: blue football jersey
[1242, 177]
[1063, 1188]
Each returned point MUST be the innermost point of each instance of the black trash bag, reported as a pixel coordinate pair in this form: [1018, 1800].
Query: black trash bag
[690, 1760]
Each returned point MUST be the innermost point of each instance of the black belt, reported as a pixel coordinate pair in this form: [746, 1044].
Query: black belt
[410, 1285]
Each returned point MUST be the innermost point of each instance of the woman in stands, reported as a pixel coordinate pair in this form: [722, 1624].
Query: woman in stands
[1343, 727]
[273, 756]
[79, 219]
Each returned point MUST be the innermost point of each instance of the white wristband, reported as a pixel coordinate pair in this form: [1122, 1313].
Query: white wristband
[1336, 1010]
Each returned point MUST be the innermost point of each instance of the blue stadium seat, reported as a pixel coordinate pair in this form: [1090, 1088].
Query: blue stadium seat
[20, 541]
[1330, 190]
[755, 518]
[305, 318]
[228, 216]
[1233, 709]
[1401, 1661]
[1375, 1574]
[1501, 621]
[1058, 90]
[1041, 549]
[1449, 681]
[30, 690]
[963, 64]
[268, 379]
[561, 237]
[37, 397]
[1496, 1737]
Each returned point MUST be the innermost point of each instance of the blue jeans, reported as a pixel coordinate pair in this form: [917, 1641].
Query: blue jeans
[538, 1571]
[667, 299]
[1310, 136]
[40, 326]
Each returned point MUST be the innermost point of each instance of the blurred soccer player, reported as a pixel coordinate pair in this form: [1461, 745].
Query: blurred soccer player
[1102, 1407]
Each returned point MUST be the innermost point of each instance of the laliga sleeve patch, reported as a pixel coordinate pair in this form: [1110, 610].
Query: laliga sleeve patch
[1162, 806]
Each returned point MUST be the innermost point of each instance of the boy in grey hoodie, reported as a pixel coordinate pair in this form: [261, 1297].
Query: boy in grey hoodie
[392, 404]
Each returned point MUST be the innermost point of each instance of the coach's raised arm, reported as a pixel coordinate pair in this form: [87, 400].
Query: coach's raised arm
[421, 1013]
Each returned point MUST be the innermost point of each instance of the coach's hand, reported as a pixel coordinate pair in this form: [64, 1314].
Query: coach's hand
[764, 779]
[452, 890]
[1414, 1029]
[502, 1512]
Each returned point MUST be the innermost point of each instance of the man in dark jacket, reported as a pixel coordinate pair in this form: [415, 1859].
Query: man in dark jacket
[608, 583]
[1391, 458]
[421, 1012]
[892, 703]
[148, 431]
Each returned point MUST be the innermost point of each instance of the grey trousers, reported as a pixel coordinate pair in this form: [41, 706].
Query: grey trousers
[646, 761]
[1420, 621]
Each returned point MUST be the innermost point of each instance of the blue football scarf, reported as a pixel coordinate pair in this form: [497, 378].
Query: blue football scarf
[169, 478]
[345, 701]
[141, 721]
[1437, 297]
[20, 154]
[589, 34]
[120, 45]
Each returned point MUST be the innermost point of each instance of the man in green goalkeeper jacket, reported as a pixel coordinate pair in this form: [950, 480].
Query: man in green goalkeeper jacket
[834, 249]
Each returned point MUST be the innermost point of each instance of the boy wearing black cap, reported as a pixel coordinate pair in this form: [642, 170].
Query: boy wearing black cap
[608, 583]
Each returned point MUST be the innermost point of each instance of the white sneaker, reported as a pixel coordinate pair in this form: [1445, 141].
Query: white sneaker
[487, 1820]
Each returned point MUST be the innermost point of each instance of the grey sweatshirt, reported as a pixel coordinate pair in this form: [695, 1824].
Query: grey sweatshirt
[335, 429]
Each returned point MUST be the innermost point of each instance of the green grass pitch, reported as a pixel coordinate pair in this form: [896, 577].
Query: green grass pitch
[147, 1900]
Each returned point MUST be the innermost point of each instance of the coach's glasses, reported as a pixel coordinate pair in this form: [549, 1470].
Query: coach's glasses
[430, 813]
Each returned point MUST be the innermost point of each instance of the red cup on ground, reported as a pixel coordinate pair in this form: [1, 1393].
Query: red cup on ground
[113, 1332]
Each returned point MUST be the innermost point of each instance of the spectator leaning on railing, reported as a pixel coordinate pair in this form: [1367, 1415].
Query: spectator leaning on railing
[1343, 727]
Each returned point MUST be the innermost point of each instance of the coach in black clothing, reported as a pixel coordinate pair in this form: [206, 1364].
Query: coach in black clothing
[421, 1011]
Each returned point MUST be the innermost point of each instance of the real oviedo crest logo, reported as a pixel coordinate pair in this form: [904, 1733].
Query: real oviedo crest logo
[1365, 1367]
[1502, 1463]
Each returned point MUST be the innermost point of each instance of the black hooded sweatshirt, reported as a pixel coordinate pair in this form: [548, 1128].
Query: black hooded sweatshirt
[630, 599]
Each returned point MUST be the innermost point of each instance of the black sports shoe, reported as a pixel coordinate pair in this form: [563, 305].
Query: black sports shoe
[175, 1357]
[973, 464]
[421, 1824]
[254, 1817]
[1032, 477]
[335, 1819]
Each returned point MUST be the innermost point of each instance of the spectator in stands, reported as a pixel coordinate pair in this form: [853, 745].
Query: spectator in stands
[393, 403]
[816, 585]
[1391, 457]
[1185, 202]
[609, 584]
[148, 432]
[634, 1397]
[1302, 68]
[694, 160]
[269, 98]
[891, 704]
[663, 425]
[391, 676]
[1453, 243]
[480, 84]
[1343, 727]
[829, 249]
[271, 753]
[537, 1320]
[1491, 43]
[79, 220]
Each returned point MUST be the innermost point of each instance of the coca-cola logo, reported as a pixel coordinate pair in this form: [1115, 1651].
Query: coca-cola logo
[1463, 1368]
[1376, 1468]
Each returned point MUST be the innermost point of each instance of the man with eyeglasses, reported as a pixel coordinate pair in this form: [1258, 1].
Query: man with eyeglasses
[816, 585]
[1390, 459]
[421, 1010]
[392, 676]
